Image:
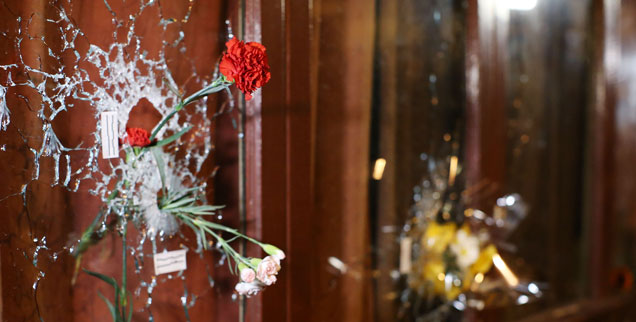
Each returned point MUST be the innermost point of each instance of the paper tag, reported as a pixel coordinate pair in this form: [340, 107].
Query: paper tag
[110, 140]
[406, 245]
[168, 262]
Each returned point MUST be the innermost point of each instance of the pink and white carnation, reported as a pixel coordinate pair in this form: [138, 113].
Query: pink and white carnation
[268, 269]
[248, 275]
[248, 289]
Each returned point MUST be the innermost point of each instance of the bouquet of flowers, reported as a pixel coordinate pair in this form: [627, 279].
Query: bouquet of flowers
[452, 259]
[452, 252]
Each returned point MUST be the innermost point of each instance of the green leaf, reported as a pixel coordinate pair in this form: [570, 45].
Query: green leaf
[199, 210]
[203, 239]
[111, 308]
[229, 262]
[271, 249]
[216, 86]
[89, 237]
[160, 165]
[196, 232]
[177, 195]
[130, 310]
[169, 82]
[104, 278]
[255, 261]
[174, 137]
[179, 203]
[210, 207]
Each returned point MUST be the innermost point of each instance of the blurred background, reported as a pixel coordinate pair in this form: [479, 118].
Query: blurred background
[439, 160]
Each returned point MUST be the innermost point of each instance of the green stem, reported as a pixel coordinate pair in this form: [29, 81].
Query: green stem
[123, 296]
[217, 85]
[229, 230]
[206, 224]
[200, 222]
[228, 249]
[165, 120]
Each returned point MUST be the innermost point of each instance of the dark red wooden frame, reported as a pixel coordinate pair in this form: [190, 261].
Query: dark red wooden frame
[279, 136]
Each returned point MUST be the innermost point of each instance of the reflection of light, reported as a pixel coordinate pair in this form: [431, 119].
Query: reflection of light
[459, 305]
[518, 4]
[337, 264]
[533, 288]
[507, 274]
[441, 276]
[448, 281]
[479, 278]
[506, 201]
[378, 169]
[453, 170]
[521, 300]
[478, 304]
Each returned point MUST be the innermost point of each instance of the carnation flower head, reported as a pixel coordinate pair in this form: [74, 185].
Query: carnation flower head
[246, 65]
[268, 269]
[248, 275]
[137, 137]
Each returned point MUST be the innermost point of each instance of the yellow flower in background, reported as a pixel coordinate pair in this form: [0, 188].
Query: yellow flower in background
[433, 269]
[434, 273]
[484, 261]
[471, 259]
[437, 236]
[482, 265]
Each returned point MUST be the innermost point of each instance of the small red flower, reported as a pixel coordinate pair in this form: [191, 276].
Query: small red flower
[137, 137]
[246, 64]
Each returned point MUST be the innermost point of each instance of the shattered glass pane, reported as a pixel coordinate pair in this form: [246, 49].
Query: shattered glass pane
[63, 63]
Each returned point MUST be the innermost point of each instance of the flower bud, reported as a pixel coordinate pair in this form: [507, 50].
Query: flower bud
[273, 251]
[248, 275]
[255, 261]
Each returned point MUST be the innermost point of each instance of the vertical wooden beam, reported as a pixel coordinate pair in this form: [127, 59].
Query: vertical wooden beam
[253, 170]
[301, 35]
[384, 144]
[1, 297]
[286, 148]
[625, 146]
[341, 223]
[485, 100]
[473, 129]
[300, 169]
[600, 172]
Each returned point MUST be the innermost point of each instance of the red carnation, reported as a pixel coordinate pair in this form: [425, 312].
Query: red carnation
[246, 64]
[137, 137]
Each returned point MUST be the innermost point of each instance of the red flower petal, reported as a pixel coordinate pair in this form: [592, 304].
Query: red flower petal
[137, 137]
[246, 64]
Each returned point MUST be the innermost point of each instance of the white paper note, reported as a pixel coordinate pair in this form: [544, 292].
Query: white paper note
[406, 245]
[110, 140]
[168, 262]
